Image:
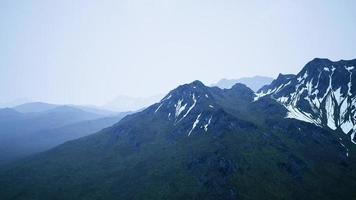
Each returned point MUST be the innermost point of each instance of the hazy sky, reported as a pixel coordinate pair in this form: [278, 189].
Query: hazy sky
[88, 52]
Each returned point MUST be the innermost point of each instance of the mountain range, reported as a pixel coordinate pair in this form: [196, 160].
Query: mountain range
[35, 107]
[34, 127]
[293, 139]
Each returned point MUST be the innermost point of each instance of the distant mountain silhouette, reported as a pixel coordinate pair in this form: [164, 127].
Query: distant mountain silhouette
[124, 103]
[254, 83]
[15, 102]
[41, 107]
[13, 147]
[97, 110]
[34, 107]
[33, 131]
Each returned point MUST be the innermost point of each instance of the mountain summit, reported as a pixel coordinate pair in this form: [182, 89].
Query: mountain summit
[200, 106]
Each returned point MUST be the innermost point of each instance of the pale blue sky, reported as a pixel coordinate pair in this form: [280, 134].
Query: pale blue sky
[88, 52]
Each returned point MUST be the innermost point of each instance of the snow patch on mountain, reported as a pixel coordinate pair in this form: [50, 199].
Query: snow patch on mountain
[179, 108]
[207, 124]
[194, 124]
[295, 113]
[191, 107]
[158, 108]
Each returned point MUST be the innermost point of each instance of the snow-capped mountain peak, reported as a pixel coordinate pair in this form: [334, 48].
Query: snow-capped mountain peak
[322, 93]
[194, 107]
[187, 102]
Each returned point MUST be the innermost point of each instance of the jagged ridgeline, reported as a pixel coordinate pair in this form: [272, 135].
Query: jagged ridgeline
[203, 142]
